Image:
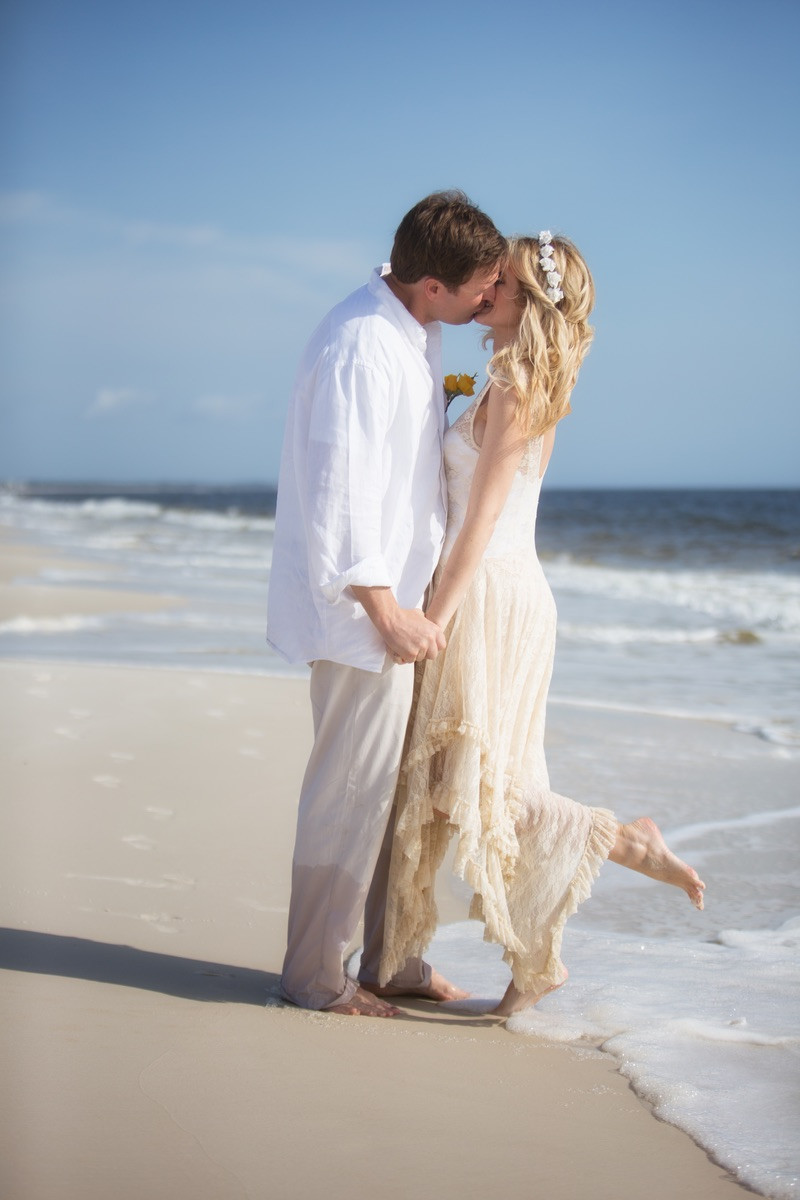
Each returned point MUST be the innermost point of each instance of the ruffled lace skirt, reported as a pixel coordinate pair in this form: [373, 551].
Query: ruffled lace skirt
[474, 770]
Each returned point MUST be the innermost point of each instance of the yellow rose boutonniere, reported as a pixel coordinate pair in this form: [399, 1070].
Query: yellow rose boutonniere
[459, 385]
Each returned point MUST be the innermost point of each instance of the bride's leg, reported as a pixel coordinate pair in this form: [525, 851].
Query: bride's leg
[641, 847]
[515, 1001]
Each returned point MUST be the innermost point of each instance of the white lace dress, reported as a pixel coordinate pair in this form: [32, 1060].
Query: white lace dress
[474, 765]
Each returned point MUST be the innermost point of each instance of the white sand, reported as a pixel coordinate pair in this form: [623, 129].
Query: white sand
[145, 846]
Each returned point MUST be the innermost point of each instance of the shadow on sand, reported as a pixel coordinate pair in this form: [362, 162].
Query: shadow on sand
[189, 978]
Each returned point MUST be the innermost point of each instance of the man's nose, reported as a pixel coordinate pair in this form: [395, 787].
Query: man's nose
[489, 293]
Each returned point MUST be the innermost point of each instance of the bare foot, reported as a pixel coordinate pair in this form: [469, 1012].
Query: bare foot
[641, 847]
[516, 1001]
[362, 1004]
[438, 989]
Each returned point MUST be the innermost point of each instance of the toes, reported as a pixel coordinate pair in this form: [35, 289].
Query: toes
[365, 1005]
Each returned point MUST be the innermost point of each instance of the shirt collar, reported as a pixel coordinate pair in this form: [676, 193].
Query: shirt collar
[417, 334]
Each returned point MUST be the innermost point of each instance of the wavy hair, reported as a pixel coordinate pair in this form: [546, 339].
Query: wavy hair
[541, 364]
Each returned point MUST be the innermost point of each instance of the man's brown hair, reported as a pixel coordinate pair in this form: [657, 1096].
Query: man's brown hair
[447, 237]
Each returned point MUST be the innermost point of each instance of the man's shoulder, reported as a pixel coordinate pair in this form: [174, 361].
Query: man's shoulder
[358, 327]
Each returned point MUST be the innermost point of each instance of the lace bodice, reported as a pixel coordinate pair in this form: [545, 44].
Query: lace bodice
[515, 531]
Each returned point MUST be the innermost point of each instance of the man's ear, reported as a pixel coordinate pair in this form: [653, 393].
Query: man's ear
[432, 288]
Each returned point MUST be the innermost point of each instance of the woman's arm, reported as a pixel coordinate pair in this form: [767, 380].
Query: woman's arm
[501, 454]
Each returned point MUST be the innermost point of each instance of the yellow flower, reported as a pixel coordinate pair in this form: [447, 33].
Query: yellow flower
[459, 385]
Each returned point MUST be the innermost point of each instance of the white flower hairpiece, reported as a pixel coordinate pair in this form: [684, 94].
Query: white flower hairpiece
[548, 265]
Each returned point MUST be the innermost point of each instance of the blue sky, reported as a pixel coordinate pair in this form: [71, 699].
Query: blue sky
[185, 188]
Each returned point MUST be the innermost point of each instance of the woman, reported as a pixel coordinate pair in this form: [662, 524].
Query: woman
[474, 766]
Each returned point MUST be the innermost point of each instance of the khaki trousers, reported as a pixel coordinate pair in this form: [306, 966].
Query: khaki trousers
[342, 852]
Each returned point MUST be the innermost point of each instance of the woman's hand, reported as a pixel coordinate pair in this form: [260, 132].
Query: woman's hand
[408, 634]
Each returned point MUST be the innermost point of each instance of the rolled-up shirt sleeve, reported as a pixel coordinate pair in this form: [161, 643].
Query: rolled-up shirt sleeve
[351, 412]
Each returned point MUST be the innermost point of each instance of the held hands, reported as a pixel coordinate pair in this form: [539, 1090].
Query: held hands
[407, 632]
[412, 637]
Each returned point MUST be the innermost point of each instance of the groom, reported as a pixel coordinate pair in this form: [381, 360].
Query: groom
[359, 527]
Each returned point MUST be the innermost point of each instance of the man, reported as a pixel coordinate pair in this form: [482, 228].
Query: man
[359, 527]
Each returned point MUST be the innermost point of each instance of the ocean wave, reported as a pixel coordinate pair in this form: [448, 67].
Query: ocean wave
[757, 601]
[778, 735]
[35, 625]
[115, 509]
[622, 635]
[769, 731]
[690, 833]
[182, 619]
[788, 935]
[112, 509]
[183, 560]
[76, 576]
[222, 522]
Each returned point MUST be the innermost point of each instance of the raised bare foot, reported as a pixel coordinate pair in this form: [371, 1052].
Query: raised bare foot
[641, 847]
[362, 1004]
[438, 989]
[516, 1001]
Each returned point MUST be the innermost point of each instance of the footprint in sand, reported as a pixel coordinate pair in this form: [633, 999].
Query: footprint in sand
[79, 714]
[259, 907]
[121, 755]
[163, 922]
[215, 712]
[254, 733]
[159, 814]
[108, 781]
[43, 677]
[42, 693]
[172, 883]
[180, 883]
[138, 841]
[250, 752]
[62, 731]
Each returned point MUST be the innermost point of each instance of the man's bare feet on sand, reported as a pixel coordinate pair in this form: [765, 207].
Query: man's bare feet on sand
[438, 989]
[363, 1004]
[641, 847]
[516, 1001]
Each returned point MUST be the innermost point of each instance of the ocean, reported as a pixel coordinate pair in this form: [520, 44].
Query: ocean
[683, 605]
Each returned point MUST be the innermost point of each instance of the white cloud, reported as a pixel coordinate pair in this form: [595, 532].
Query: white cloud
[110, 399]
[282, 256]
[223, 407]
[151, 233]
[22, 206]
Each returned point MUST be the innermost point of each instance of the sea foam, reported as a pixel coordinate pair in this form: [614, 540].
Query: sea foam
[707, 1033]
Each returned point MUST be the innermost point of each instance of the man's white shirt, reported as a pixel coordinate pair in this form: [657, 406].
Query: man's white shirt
[362, 496]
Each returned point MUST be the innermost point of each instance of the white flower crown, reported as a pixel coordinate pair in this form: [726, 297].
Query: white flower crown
[548, 265]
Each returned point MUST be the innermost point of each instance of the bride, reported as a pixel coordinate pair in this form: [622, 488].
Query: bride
[474, 766]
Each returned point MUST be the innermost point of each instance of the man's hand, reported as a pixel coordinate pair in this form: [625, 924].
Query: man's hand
[407, 632]
[412, 637]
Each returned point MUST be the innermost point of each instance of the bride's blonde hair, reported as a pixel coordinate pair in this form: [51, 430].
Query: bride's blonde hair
[541, 364]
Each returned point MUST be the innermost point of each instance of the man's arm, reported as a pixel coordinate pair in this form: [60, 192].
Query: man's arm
[351, 411]
[353, 407]
[408, 634]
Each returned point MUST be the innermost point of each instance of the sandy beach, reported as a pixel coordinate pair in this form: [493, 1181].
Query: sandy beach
[147, 832]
